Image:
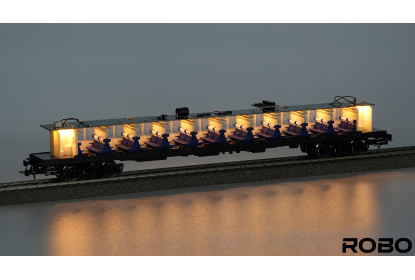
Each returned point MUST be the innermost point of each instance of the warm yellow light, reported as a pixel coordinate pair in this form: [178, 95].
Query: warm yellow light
[67, 133]
[364, 109]
[364, 118]
[67, 142]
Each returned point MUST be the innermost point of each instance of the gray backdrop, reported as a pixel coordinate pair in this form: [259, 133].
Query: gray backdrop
[97, 71]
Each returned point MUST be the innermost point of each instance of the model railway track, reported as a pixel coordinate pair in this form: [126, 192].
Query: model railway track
[27, 183]
[205, 168]
[246, 163]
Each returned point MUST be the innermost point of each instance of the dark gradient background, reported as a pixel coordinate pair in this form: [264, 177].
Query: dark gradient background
[98, 71]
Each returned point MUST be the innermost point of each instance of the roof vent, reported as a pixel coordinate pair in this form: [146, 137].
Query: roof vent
[266, 106]
[182, 113]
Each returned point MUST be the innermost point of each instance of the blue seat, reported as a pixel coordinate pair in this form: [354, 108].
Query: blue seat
[291, 129]
[295, 130]
[100, 147]
[158, 142]
[347, 126]
[129, 145]
[321, 127]
[317, 125]
[187, 140]
[214, 137]
[270, 133]
[242, 135]
[265, 129]
[343, 124]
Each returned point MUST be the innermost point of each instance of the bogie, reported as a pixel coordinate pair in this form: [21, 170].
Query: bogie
[109, 169]
[70, 173]
[325, 150]
[92, 171]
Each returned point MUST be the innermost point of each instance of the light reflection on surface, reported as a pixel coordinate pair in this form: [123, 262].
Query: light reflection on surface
[268, 218]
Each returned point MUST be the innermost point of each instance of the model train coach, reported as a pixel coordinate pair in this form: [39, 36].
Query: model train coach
[94, 149]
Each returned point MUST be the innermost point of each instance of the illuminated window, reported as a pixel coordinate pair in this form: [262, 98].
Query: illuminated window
[67, 145]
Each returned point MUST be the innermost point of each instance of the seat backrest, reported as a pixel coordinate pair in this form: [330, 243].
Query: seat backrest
[318, 125]
[95, 144]
[264, 129]
[350, 125]
[298, 129]
[271, 131]
[244, 133]
[324, 126]
[343, 124]
[216, 136]
[237, 132]
[153, 138]
[159, 140]
[292, 127]
[210, 134]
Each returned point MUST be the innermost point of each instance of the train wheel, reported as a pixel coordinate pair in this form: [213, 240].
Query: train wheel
[70, 173]
[310, 149]
[365, 146]
[322, 150]
[109, 169]
[357, 147]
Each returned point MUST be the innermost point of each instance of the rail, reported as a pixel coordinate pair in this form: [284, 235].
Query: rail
[205, 168]
[211, 167]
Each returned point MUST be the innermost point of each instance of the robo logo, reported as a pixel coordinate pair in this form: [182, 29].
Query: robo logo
[384, 245]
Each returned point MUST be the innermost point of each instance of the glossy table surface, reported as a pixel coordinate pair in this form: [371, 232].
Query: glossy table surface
[308, 216]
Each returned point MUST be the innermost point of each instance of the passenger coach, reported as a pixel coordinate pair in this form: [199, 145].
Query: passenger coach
[92, 149]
